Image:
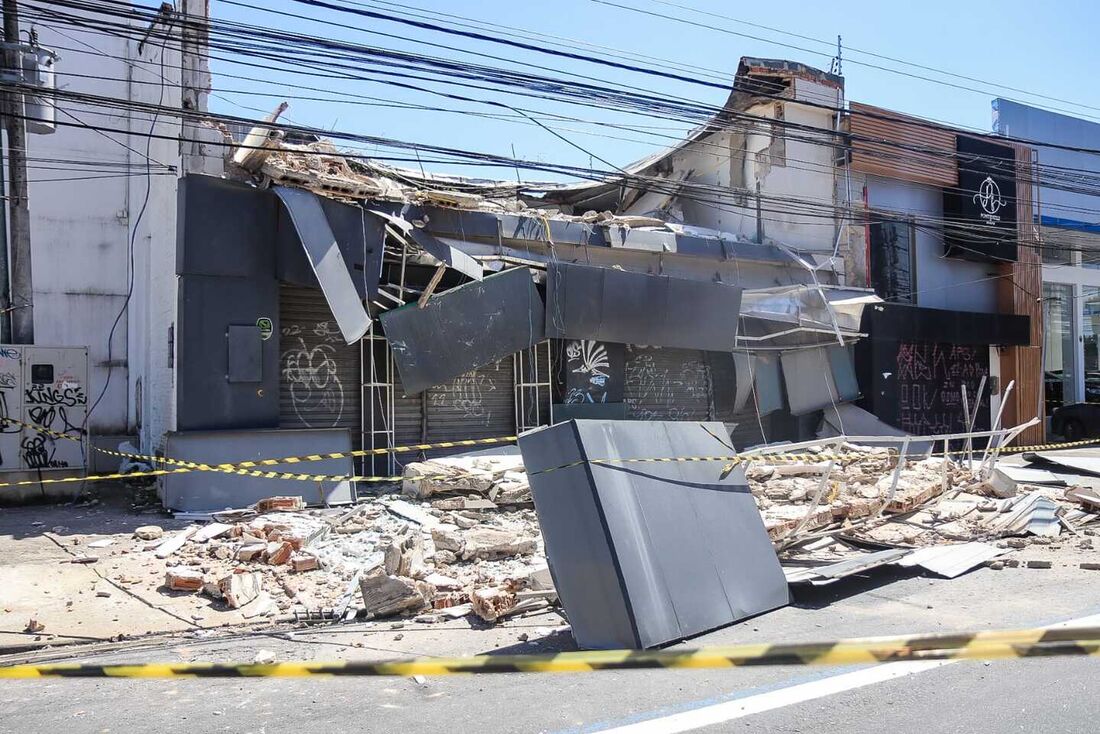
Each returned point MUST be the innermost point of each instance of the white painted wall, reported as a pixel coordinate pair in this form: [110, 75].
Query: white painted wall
[942, 282]
[793, 169]
[81, 229]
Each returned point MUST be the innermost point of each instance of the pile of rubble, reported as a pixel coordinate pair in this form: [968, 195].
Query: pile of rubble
[455, 551]
[930, 501]
[462, 536]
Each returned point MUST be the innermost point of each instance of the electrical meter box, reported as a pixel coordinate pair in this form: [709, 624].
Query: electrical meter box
[47, 387]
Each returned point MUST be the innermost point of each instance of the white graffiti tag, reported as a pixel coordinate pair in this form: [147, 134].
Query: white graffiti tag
[314, 383]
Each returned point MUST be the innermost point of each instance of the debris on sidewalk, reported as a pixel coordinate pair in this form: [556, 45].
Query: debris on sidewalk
[396, 553]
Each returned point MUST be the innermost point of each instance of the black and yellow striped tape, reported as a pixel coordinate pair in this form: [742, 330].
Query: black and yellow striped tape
[248, 468]
[1026, 643]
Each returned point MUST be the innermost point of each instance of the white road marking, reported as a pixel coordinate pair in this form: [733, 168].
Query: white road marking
[761, 702]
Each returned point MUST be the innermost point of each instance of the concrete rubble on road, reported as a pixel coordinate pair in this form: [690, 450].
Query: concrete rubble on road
[462, 537]
[426, 551]
[819, 517]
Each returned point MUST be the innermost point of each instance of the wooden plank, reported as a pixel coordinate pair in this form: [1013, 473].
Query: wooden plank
[926, 155]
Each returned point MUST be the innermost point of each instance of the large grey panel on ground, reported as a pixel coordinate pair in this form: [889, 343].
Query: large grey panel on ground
[327, 261]
[199, 491]
[647, 553]
[464, 328]
[587, 302]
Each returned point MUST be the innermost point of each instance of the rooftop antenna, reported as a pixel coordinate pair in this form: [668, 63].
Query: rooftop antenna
[839, 71]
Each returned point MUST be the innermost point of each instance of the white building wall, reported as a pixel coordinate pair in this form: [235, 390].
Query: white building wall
[794, 169]
[82, 223]
[942, 282]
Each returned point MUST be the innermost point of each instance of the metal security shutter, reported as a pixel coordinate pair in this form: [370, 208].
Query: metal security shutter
[667, 384]
[478, 404]
[407, 421]
[319, 374]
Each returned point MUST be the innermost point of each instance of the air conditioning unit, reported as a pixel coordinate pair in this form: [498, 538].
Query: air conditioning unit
[45, 387]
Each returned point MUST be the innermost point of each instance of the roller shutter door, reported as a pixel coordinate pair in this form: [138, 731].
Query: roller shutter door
[477, 404]
[667, 384]
[319, 375]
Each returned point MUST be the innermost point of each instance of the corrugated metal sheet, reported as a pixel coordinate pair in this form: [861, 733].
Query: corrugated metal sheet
[319, 375]
[928, 156]
[950, 561]
[667, 384]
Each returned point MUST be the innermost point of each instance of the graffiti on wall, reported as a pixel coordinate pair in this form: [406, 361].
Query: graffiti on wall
[59, 406]
[659, 390]
[466, 395]
[311, 375]
[929, 380]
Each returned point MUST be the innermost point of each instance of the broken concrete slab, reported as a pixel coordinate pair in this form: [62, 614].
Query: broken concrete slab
[173, 544]
[489, 543]
[183, 579]
[240, 588]
[384, 595]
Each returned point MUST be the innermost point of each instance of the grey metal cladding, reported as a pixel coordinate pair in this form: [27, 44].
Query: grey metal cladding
[328, 262]
[359, 236]
[224, 228]
[578, 547]
[205, 398]
[842, 363]
[450, 256]
[201, 491]
[808, 377]
[686, 547]
[607, 304]
[464, 328]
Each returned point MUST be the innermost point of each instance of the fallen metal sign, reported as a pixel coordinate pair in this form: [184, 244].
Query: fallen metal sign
[1024, 643]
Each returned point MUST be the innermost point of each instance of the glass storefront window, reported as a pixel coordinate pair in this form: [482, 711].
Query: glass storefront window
[1058, 351]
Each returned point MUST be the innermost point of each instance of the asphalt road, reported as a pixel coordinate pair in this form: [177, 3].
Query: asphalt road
[1019, 695]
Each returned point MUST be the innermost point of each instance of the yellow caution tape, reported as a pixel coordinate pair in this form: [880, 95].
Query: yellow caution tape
[1025, 643]
[247, 468]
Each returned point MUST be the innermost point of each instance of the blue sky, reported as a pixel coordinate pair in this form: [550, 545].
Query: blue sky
[1049, 51]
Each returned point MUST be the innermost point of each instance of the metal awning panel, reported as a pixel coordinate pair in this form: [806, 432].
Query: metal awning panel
[464, 328]
[327, 261]
[613, 305]
[450, 256]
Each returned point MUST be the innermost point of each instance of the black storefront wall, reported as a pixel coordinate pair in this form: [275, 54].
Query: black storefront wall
[234, 245]
[913, 364]
[980, 214]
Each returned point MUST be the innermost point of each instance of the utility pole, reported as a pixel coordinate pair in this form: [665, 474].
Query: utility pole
[19, 215]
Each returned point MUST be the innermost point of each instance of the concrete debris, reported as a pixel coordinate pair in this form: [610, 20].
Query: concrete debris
[173, 544]
[405, 557]
[183, 579]
[492, 604]
[499, 478]
[148, 532]
[302, 562]
[409, 555]
[470, 543]
[239, 589]
[384, 595]
[280, 504]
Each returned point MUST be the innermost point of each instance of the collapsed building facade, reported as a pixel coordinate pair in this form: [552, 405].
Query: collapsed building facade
[392, 307]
